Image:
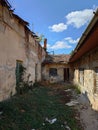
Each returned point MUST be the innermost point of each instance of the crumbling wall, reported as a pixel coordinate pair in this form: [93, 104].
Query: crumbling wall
[11, 49]
[60, 72]
[16, 44]
[87, 63]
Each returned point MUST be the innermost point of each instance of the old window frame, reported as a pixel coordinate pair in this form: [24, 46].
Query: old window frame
[19, 65]
[53, 72]
[81, 76]
[96, 80]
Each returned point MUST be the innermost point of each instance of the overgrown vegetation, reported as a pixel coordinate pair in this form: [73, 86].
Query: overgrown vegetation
[22, 85]
[75, 87]
[34, 109]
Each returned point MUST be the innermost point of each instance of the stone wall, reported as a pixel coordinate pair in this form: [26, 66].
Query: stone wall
[84, 75]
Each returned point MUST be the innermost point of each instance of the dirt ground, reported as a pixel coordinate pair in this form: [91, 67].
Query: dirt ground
[87, 117]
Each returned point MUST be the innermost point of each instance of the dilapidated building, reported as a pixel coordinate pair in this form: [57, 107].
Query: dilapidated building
[84, 62]
[55, 68]
[18, 46]
[80, 68]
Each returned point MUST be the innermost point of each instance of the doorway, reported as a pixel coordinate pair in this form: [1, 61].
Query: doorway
[66, 74]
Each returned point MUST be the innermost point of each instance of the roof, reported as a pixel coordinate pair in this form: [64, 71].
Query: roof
[20, 19]
[5, 3]
[61, 59]
[88, 41]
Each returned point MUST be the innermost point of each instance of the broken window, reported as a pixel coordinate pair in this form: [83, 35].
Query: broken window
[52, 72]
[19, 71]
[81, 76]
[96, 80]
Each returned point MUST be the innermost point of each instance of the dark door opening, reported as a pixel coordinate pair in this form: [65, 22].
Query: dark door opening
[66, 74]
[36, 72]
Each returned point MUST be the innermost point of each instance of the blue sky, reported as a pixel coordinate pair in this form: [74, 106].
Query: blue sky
[62, 22]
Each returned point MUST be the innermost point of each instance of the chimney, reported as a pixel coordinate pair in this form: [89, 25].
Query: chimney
[45, 44]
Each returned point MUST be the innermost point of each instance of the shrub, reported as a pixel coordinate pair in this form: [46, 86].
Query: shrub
[22, 85]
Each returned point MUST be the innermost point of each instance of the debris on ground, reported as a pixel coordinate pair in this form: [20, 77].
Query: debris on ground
[68, 90]
[71, 103]
[1, 112]
[88, 117]
[51, 121]
[68, 128]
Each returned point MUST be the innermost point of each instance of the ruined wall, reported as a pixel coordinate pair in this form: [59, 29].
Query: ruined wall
[16, 43]
[84, 75]
[60, 72]
[11, 49]
[35, 57]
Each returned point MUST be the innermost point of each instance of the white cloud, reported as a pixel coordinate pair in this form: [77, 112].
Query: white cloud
[48, 45]
[70, 40]
[95, 7]
[79, 18]
[63, 44]
[58, 27]
[60, 45]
